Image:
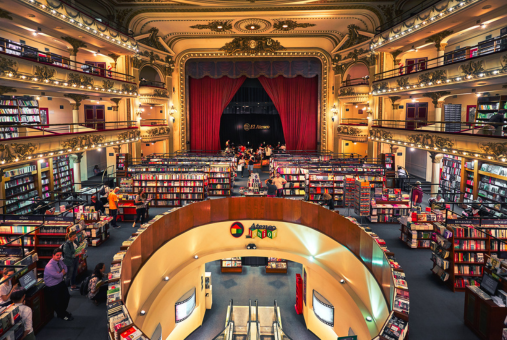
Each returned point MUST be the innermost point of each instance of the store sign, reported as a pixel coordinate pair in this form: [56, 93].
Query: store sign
[248, 127]
[262, 231]
[237, 229]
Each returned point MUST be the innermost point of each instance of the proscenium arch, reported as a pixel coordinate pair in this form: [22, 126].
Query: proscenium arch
[355, 246]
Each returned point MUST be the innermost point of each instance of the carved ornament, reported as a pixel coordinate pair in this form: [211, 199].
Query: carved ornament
[354, 37]
[160, 93]
[163, 130]
[107, 84]
[82, 141]
[11, 152]
[348, 130]
[348, 91]
[498, 150]
[290, 25]
[75, 43]
[129, 87]
[79, 79]
[380, 134]
[44, 72]
[252, 45]
[8, 66]
[78, 98]
[435, 96]
[426, 139]
[472, 68]
[6, 89]
[434, 76]
[402, 82]
[129, 135]
[215, 26]
[438, 37]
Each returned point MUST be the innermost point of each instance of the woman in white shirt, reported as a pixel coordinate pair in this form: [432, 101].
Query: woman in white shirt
[18, 298]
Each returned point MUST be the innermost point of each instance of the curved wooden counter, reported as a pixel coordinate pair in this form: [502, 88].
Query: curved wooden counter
[329, 223]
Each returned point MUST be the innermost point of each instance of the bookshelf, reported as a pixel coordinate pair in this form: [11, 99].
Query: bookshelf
[488, 106]
[450, 178]
[231, 265]
[276, 266]
[319, 184]
[296, 181]
[349, 185]
[62, 174]
[122, 163]
[452, 113]
[388, 212]
[219, 182]
[417, 235]
[21, 187]
[362, 198]
[388, 161]
[16, 110]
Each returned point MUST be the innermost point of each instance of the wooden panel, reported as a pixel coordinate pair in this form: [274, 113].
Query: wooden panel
[326, 219]
[377, 261]
[202, 213]
[171, 224]
[186, 221]
[310, 215]
[274, 210]
[158, 235]
[386, 283]
[366, 249]
[238, 209]
[292, 211]
[126, 275]
[219, 210]
[353, 241]
[148, 244]
[136, 256]
[256, 208]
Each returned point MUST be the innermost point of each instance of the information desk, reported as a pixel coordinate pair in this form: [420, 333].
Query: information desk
[484, 317]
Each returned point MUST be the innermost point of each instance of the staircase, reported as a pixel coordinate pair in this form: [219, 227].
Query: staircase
[425, 185]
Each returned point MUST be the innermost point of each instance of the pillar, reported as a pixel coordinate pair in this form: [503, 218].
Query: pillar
[77, 171]
[435, 172]
[439, 116]
[440, 53]
[72, 58]
[75, 116]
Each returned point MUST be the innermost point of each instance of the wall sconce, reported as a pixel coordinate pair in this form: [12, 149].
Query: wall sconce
[334, 110]
[333, 118]
[172, 111]
[174, 119]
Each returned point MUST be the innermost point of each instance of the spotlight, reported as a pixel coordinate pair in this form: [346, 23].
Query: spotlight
[166, 278]
[143, 312]
[342, 281]
[196, 257]
[369, 319]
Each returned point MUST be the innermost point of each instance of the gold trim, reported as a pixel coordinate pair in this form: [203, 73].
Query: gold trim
[324, 57]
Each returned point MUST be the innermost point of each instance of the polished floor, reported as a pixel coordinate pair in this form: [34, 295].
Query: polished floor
[435, 312]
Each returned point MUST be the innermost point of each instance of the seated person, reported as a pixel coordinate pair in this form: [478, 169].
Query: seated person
[96, 170]
[97, 204]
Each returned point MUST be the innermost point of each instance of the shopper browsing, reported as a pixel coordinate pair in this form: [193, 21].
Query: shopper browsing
[6, 287]
[328, 201]
[70, 259]
[97, 287]
[402, 174]
[250, 165]
[279, 182]
[113, 206]
[271, 188]
[417, 194]
[140, 203]
[241, 165]
[57, 292]
[18, 297]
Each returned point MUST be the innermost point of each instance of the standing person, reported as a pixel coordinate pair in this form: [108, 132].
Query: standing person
[279, 182]
[6, 287]
[328, 201]
[18, 297]
[250, 165]
[498, 118]
[97, 294]
[417, 194]
[140, 203]
[103, 193]
[70, 259]
[113, 206]
[241, 165]
[268, 151]
[283, 147]
[402, 174]
[58, 294]
[271, 188]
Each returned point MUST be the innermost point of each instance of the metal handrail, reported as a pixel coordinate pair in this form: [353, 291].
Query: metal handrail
[154, 122]
[451, 57]
[152, 83]
[406, 15]
[33, 54]
[355, 82]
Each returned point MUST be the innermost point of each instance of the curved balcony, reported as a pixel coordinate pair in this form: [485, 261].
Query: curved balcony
[405, 15]
[354, 90]
[154, 133]
[28, 66]
[78, 20]
[38, 141]
[153, 95]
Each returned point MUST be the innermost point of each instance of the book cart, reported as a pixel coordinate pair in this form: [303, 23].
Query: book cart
[231, 265]
[276, 266]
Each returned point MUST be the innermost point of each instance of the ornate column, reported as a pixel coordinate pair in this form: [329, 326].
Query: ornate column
[78, 98]
[76, 44]
[439, 116]
[115, 58]
[115, 108]
[440, 53]
[435, 171]
[77, 171]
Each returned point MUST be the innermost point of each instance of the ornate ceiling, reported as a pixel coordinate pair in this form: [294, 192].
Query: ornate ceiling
[210, 24]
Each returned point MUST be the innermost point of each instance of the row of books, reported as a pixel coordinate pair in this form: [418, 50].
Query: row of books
[177, 176]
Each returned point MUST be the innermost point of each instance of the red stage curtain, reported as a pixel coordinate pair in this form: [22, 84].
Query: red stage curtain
[208, 99]
[296, 100]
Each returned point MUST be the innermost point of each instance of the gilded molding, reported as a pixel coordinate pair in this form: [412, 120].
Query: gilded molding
[438, 37]
[402, 82]
[433, 76]
[354, 37]
[426, 139]
[129, 135]
[16, 151]
[75, 43]
[163, 130]
[152, 40]
[380, 86]
[113, 56]
[498, 150]
[290, 25]
[107, 84]
[381, 134]
[472, 68]
[348, 91]
[8, 66]
[348, 130]
[215, 26]
[78, 98]
[435, 96]
[160, 93]
[79, 79]
[129, 87]
[82, 141]
[6, 89]
[393, 100]
[44, 72]
[252, 45]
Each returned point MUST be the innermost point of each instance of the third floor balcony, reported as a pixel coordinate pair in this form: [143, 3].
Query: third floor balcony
[27, 66]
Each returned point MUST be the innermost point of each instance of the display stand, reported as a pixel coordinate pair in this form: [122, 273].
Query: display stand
[388, 212]
[276, 266]
[122, 163]
[231, 265]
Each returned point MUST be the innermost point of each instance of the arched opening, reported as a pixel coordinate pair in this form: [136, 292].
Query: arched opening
[357, 74]
[149, 76]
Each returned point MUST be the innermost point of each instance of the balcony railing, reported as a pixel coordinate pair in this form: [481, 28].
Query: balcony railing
[356, 81]
[466, 53]
[99, 17]
[152, 83]
[406, 15]
[354, 121]
[33, 54]
[453, 127]
[34, 131]
[153, 122]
